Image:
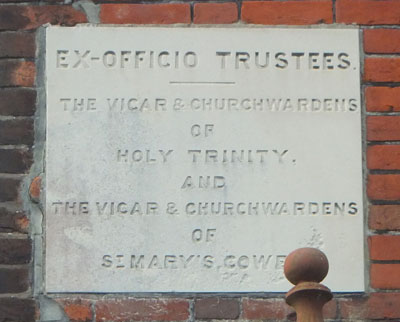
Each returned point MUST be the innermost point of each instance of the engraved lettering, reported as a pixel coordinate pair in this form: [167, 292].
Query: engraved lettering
[107, 261]
[242, 58]
[81, 59]
[109, 59]
[61, 59]
[223, 55]
[137, 263]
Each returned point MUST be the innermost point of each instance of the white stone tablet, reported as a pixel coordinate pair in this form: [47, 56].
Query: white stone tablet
[196, 159]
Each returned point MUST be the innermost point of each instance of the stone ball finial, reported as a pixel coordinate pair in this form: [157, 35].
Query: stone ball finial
[306, 265]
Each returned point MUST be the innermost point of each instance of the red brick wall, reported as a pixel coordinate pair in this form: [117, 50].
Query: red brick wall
[378, 20]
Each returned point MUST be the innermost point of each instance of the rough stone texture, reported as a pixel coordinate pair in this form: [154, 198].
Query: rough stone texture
[238, 264]
[215, 13]
[383, 157]
[15, 160]
[368, 12]
[14, 280]
[9, 188]
[17, 44]
[216, 308]
[382, 41]
[384, 247]
[77, 310]
[15, 251]
[383, 187]
[160, 13]
[384, 217]
[382, 99]
[18, 131]
[14, 17]
[17, 310]
[383, 128]
[382, 69]
[125, 310]
[287, 12]
[16, 72]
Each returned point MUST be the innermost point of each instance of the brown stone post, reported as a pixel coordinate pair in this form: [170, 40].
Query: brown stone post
[305, 268]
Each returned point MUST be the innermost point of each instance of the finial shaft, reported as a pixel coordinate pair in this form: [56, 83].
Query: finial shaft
[306, 267]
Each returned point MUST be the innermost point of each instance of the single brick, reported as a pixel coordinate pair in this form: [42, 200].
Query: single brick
[17, 45]
[378, 306]
[265, 309]
[17, 73]
[17, 101]
[383, 187]
[368, 12]
[216, 308]
[15, 160]
[287, 12]
[125, 310]
[9, 188]
[382, 41]
[13, 221]
[78, 310]
[383, 128]
[383, 157]
[384, 247]
[14, 280]
[17, 310]
[382, 99]
[16, 132]
[160, 13]
[379, 69]
[14, 17]
[384, 217]
[225, 12]
[15, 251]
[385, 276]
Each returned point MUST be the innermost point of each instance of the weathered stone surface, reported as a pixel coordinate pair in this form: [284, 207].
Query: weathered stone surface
[178, 160]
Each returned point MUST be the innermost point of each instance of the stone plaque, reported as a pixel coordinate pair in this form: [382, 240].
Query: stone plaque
[196, 159]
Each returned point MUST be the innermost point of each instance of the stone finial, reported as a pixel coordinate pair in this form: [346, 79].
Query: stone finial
[306, 267]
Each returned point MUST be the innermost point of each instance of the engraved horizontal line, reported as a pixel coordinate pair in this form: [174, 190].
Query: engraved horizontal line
[200, 83]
